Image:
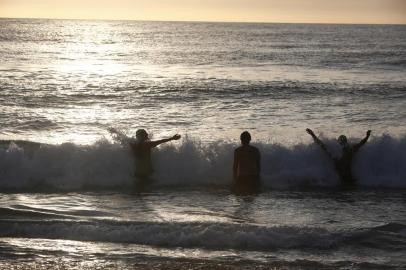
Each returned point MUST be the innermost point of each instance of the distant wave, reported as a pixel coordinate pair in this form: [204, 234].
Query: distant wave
[29, 166]
[208, 234]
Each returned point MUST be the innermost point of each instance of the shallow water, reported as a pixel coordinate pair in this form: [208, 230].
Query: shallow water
[323, 228]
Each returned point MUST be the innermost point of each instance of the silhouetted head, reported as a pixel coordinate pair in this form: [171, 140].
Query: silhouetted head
[245, 137]
[342, 139]
[141, 134]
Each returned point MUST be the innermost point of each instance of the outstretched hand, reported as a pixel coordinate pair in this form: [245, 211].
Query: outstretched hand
[308, 130]
[176, 137]
[119, 136]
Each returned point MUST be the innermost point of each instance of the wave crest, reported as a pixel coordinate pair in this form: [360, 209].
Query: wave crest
[27, 165]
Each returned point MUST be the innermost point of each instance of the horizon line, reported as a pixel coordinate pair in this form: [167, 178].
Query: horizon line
[198, 21]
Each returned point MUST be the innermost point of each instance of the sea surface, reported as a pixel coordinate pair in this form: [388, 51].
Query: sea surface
[68, 197]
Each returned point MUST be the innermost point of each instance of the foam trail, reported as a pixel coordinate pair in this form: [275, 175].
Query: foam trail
[66, 167]
[207, 235]
[381, 162]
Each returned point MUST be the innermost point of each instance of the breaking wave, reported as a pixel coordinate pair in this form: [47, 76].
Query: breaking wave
[28, 165]
[208, 235]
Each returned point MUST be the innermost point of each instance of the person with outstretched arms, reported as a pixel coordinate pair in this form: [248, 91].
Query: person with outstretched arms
[141, 148]
[343, 164]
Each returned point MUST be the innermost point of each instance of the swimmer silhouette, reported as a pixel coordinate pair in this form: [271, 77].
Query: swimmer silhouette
[247, 166]
[141, 148]
[343, 165]
[142, 152]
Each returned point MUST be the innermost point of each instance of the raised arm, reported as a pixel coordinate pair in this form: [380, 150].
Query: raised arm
[362, 142]
[119, 136]
[318, 141]
[153, 144]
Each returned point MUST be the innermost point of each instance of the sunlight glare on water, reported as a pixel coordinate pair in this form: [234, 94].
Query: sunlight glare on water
[74, 79]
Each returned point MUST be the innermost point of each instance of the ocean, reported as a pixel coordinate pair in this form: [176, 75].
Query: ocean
[68, 193]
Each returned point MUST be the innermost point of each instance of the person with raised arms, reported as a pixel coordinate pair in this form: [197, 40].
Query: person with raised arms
[343, 164]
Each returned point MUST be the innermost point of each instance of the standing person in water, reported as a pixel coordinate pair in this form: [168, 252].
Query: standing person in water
[142, 152]
[141, 148]
[343, 164]
[247, 166]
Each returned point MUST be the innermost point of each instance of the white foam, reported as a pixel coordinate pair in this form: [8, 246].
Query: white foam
[206, 235]
[381, 162]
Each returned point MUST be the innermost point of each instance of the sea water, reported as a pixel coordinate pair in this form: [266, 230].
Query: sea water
[71, 202]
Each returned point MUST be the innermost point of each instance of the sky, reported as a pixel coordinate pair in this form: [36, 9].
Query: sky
[289, 11]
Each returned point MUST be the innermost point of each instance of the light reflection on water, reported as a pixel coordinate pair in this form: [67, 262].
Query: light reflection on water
[66, 81]
[70, 80]
[247, 219]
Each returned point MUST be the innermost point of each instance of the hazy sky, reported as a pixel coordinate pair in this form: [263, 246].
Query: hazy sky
[317, 11]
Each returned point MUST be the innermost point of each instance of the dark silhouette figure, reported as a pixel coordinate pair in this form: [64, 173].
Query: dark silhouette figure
[142, 152]
[343, 165]
[247, 166]
[141, 148]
